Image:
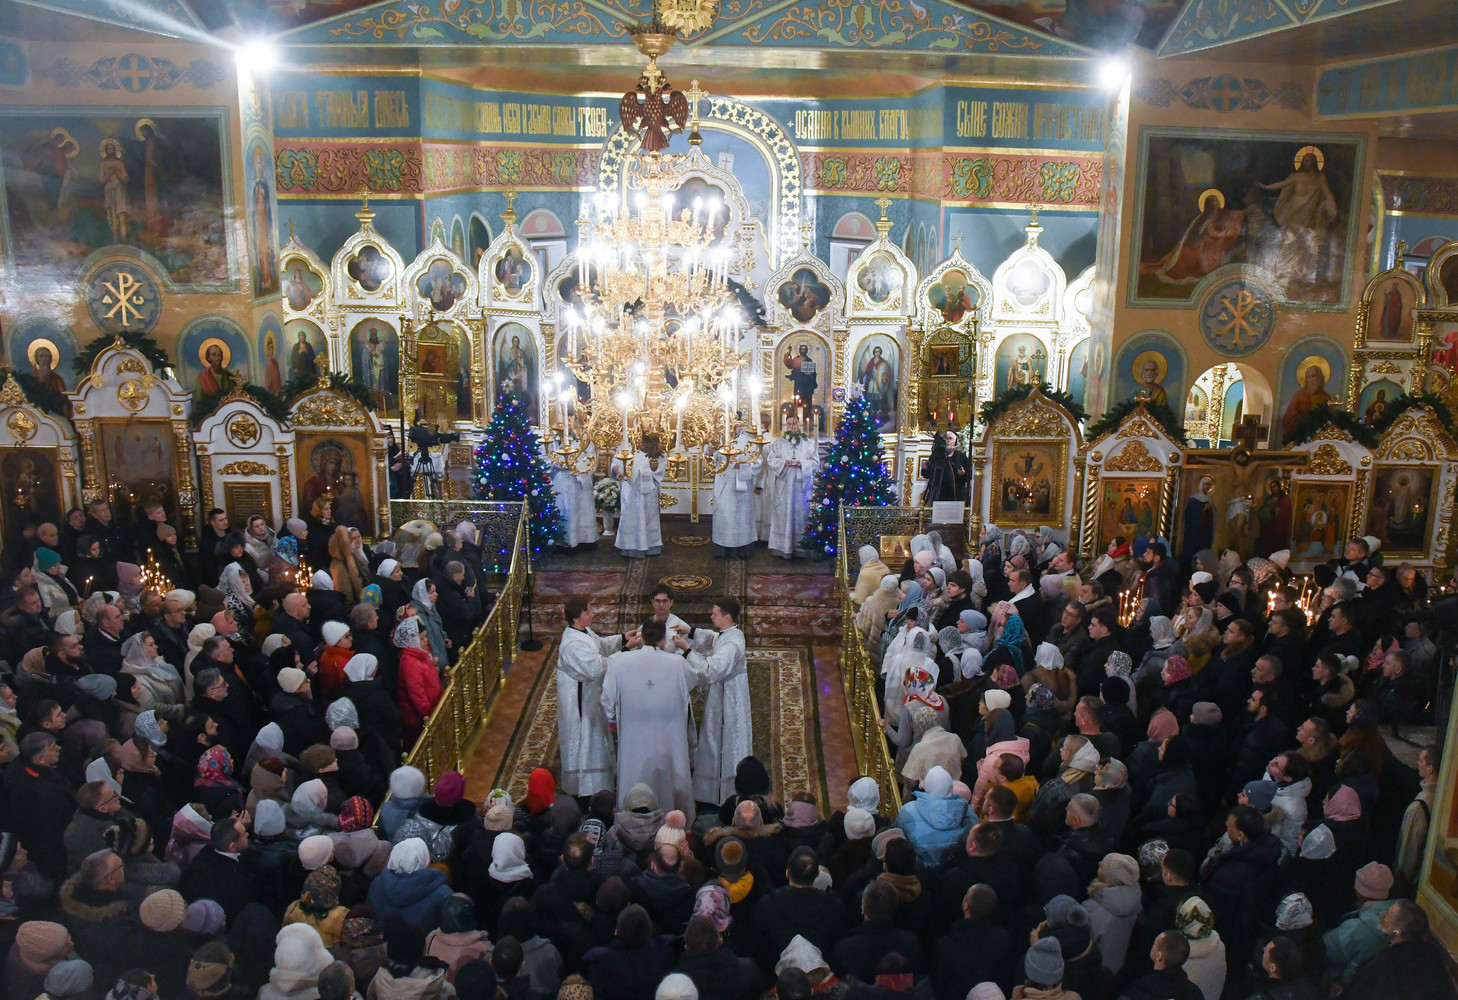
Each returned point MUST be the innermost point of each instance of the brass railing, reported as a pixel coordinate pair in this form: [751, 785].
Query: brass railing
[873, 756]
[452, 728]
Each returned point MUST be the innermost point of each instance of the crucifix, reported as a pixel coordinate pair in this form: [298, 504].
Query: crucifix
[807, 232]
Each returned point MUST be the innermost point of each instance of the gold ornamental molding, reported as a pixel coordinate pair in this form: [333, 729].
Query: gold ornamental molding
[247, 468]
[243, 430]
[1327, 461]
[1134, 457]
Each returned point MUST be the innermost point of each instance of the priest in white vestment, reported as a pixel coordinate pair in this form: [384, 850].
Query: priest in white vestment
[582, 725]
[661, 599]
[640, 532]
[789, 463]
[572, 483]
[736, 507]
[645, 695]
[726, 735]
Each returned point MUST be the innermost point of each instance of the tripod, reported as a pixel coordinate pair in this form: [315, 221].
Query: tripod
[431, 469]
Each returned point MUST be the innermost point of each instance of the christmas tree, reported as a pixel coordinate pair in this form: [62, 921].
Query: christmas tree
[510, 466]
[853, 474]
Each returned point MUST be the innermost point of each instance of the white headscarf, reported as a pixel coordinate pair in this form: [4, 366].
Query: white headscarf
[232, 586]
[866, 554]
[361, 667]
[865, 794]
[100, 770]
[407, 633]
[1048, 656]
[136, 663]
[421, 594]
[68, 623]
[270, 737]
[387, 566]
[508, 858]
[1162, 631]
[300, 953]
[310, 798]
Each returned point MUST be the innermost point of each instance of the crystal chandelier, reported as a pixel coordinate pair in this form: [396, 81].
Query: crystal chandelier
[655, 336]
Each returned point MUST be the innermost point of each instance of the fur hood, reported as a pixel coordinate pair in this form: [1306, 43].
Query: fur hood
[757, 833]
[74, 904]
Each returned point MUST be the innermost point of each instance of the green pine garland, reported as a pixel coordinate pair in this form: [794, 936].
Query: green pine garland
[1320, 417]
[510, 466]
[1116, 415]
[139, 342]
[347, 384]
[997, 406]
[854, 473]
[40, 396]
[274, 405]
[1407, 401]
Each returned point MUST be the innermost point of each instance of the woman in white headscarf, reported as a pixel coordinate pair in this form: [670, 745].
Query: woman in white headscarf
[307, 812]
[946, 559]
[423, 600]
[1050, 671]
[409, 890]
[238, 595]
[299, 956]
[68, 623]
[159, 682]
[195, 639]
[894, 667]
[1162, 632]
[871, 619]
[868, 577]
[979, 582]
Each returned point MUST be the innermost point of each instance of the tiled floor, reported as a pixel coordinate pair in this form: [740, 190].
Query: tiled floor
[784, 609]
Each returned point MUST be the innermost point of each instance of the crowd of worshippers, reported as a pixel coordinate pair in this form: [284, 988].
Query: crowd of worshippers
[1193, 798]
[150, 735]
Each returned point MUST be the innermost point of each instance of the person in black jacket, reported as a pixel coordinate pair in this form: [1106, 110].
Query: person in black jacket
[459, 607]
[798, 908]
[378, 713]
[24, 625]
[662, 891]
[217, 873]
[857, 953]
[39, 802]
[293, 709]
[1412, 966]
[1168, 980]
[718, 973]
[1265, 736]
[292, 620]
[975, 949]
[1241, 882]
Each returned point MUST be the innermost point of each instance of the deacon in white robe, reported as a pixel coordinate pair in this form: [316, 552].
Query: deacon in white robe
[572, 482]
[790, 463]
[726, 735]
[645, 695]
[582, 726]
[640, 532]
[736, 508]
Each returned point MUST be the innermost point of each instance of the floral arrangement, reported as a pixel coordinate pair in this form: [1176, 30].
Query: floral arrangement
[607, 495]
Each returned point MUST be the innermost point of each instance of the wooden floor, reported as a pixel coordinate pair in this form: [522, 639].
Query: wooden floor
[784, 603]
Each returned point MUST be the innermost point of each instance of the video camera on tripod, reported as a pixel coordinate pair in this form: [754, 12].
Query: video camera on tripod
[427, 464]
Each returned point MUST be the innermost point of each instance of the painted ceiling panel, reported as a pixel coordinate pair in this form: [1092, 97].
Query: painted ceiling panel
[933, 25]
[1205, 24]
[167, 17]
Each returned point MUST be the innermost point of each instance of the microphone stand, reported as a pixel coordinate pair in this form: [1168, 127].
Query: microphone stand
[531, 643]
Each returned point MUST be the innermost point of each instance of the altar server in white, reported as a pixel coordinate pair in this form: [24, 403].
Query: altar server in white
[661, 599]
[790, 463]
[726, 735]
[640, 532]
[736, 508]
[645, 695]
[572, 482]
[582, 725]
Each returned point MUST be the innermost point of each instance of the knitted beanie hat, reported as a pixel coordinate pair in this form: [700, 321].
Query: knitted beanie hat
[163, 911]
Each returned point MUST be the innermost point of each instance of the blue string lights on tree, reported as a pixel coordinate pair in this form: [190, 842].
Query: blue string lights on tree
[510, 466]
[853, 473]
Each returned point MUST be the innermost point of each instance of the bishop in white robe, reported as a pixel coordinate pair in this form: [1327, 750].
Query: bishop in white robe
[726, 735]
[640, 531]
[790, 463]
[736, 508]
[582, 725]
[645, 694]
[572, 483]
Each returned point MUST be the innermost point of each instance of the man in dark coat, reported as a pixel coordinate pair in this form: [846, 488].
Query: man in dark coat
[798, 908]
[292, 622]
[210, 540]
[1161, 578]
[103, 641]
[170, 633]
[1029, 604]
[24, 625]
[459, 607]
[1168, 980]
[1241, 883]
[858, 953]
[39, 802]
[1413, 965]
[975, 949]
[1265, 736]
[102, 921]
[662, 891]
[218, 874]
[222, 697]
